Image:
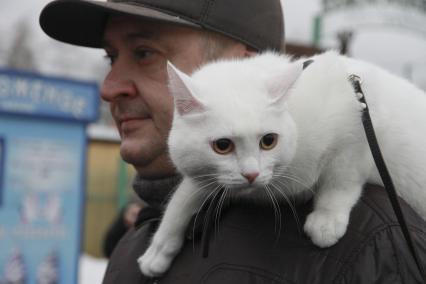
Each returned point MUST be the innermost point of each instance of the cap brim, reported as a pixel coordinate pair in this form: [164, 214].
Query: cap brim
[83, 22]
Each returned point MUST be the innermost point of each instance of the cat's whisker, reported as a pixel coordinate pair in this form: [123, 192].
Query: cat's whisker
[287, 170]
[218, 190]
[277, 211]
[206, 175]
[206, 184]
[286, 167]
[213, 192]
[292, 207]
[216, 210]
[200, 189]
[286, 185]
[273, 205]
[292, 178]
[204, 180]
[189, 198]
[219, 209]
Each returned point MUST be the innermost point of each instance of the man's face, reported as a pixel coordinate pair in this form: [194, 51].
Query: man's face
[136, 86]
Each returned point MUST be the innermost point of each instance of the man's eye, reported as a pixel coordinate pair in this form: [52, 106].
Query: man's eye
[143, 53]
[111, 58]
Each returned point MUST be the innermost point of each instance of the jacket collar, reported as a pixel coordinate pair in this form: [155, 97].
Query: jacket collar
[156, 192]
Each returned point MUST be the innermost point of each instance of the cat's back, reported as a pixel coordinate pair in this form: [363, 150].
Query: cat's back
[385, 90]
[397, 107]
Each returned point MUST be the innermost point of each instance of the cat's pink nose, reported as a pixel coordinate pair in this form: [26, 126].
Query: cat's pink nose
[251, 176]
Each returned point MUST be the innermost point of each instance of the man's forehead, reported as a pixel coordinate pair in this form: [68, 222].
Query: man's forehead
[131, 28]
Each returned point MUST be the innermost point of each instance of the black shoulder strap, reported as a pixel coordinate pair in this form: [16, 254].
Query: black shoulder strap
[383, 171]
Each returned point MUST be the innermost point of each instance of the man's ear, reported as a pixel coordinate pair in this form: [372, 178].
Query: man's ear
[250, 52]
[238, 50]
[182, 89]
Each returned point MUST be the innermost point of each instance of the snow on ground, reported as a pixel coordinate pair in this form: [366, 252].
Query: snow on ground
[92, 269]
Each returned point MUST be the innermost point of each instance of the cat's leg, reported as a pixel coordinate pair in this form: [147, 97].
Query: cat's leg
[339, 190]
[168, 239]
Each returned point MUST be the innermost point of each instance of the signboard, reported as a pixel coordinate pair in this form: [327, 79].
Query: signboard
[44, 152]
[344, 15]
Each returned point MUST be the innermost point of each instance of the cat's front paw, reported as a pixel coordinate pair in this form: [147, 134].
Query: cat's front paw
[158, 257]
[326, 227]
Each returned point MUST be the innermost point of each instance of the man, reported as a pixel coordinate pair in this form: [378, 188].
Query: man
[139, 37]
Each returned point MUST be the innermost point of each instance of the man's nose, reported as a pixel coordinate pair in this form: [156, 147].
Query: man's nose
[117, 85]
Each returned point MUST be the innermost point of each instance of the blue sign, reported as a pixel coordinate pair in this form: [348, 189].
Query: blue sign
[1, 169]
[31, 94]
[42, 165]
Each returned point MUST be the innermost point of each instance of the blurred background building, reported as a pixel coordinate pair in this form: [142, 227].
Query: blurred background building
[390, 33]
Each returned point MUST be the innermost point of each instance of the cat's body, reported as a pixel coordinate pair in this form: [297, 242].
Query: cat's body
[264, 127]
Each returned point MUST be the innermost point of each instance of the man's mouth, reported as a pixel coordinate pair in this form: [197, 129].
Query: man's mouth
[129, 117]
[131, 121]
[126, 119]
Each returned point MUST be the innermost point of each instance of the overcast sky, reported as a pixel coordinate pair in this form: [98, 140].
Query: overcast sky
[400, 50]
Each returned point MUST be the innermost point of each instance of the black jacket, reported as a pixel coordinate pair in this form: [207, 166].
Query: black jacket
[247, 249]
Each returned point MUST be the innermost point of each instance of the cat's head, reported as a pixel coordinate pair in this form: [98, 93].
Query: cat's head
[231, 126]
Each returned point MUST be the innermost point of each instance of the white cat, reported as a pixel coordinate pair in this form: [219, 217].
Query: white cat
[263, 125]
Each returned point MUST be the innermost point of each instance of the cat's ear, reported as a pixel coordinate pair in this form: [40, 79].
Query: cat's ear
[280, 82]
[182, 88]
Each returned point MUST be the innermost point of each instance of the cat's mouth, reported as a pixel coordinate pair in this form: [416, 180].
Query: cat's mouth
[245, 187]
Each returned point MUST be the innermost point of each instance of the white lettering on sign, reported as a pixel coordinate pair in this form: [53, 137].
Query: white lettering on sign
[4, 86]
[23, 91]
[21, 87]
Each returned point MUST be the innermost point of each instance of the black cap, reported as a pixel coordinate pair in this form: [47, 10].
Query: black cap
[257, 23]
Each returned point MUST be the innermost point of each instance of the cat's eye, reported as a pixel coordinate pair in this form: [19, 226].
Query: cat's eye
[223, 146]
[268, 141]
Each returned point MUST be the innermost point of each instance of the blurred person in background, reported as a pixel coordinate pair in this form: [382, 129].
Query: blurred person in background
[139, 37]
[125, 220]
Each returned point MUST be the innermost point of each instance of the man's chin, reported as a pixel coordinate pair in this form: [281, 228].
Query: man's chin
[135, 157]
[148, 164]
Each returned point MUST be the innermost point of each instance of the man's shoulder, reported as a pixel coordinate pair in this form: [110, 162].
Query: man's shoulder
[374, 213]
[374, 242]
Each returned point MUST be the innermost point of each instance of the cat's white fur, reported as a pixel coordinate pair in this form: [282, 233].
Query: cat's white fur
[321, 142]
